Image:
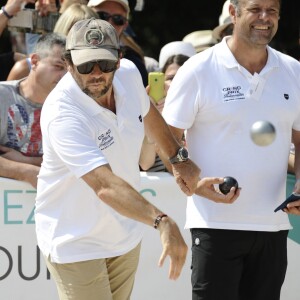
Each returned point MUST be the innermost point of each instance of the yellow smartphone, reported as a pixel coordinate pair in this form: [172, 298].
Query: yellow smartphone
[156, 81]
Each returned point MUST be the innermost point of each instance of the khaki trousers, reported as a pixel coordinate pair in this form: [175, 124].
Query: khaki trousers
[99, 279]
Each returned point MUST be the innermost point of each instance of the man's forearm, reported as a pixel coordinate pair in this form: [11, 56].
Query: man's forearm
[37, 161]
[118, 194]
[3, 22]
[19, 171]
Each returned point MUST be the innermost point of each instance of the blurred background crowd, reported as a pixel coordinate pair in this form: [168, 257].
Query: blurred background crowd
[154, 23]
[163, 21]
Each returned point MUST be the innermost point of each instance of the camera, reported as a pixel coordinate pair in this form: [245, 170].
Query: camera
[28, 20]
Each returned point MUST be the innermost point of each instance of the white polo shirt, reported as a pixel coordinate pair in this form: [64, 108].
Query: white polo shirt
[217, 101]
[72, 223]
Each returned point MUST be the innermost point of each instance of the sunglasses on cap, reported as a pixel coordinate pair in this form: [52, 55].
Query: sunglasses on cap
[117, 19]
[106, 66]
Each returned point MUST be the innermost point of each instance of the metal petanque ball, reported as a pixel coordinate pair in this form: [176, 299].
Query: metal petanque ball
[263, 133]
[228, 183]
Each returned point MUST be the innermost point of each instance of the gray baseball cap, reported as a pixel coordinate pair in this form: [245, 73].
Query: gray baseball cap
[92, 39]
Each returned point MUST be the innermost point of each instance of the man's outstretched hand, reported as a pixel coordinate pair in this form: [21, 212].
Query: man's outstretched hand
[173, 245]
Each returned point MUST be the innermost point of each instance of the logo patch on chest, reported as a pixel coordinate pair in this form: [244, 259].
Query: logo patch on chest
[233, 93]
[106, 140]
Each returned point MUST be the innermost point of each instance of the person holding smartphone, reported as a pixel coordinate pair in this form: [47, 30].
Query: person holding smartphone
[7, 12]
[149, 158]
[116, 12]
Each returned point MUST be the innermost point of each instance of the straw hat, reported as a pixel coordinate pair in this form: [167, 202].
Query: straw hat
[201, 39]
[224, 22]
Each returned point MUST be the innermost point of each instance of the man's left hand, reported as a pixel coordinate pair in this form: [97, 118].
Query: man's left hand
[293, 208]
[206, 188]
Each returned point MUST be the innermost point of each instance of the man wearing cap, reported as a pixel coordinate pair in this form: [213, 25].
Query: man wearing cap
[88, 213]
[116, 12]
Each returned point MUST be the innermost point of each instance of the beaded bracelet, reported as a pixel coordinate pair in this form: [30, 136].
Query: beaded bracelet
[8, 16]
[158, 219]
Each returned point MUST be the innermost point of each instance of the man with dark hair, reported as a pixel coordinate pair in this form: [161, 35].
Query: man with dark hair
[89, 212]
[21, 103]
[239, 251]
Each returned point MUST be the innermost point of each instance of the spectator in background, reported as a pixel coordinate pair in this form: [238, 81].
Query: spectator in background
[65, 4]
[21, 103]
[9, 10]
[70, 15]
[173, 48]
[44, 7]
[116, 12]
[7, 60]
[171, 57]
[225, 24]
[201, 39]
[170, 69]
[150, 160]
[20, 69]
[151, 64]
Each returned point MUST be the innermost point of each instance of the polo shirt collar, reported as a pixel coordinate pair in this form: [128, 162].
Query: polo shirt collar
[228, 60]
[225, 56]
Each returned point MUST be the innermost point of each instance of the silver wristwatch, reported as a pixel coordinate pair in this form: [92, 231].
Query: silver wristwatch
[181, 156]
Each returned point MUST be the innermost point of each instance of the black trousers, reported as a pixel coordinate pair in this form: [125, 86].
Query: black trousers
[238, 265]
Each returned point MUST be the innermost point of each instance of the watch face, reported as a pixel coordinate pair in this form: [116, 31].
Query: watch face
[184, 153]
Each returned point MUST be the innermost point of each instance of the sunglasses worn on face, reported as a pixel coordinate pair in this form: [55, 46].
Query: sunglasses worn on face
[106, 66]
[117, 19]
